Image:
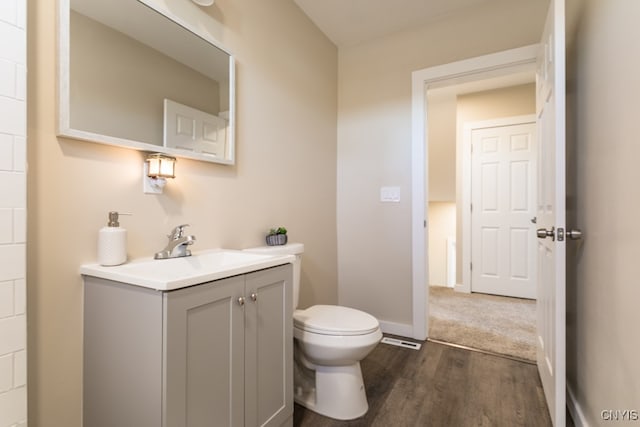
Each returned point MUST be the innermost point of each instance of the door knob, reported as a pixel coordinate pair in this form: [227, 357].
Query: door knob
[574, 234]
[241, 301]
[543, 233]
[254, 297]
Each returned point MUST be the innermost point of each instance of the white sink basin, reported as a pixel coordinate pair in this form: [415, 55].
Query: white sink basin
[175, 273]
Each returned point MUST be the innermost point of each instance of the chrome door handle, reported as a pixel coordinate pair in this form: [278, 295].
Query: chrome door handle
[543, 233]
[574, 234]
[254, 297]
[241, 301]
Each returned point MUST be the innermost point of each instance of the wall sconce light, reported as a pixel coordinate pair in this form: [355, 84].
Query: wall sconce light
[157, 168]
[203, 2]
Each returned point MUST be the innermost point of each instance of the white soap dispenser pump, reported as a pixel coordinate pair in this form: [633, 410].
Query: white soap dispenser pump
[112, 242]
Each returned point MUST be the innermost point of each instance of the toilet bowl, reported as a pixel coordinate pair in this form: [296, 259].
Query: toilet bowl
[329, 343]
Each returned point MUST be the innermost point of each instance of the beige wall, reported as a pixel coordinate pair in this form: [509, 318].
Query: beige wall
[441, 117]
[285, 175]
[603, 349]
[496, 103]
[487, 105]
[374, 143]
[442, 224]
[441, 207]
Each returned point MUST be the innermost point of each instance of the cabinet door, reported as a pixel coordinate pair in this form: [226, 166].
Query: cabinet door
[204, 355]
[269, 347]
[122, 373]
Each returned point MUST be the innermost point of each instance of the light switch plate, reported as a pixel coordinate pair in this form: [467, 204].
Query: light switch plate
[390, 194]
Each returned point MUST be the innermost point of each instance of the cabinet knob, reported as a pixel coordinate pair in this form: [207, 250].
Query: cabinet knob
[254, 297]
[241, 301]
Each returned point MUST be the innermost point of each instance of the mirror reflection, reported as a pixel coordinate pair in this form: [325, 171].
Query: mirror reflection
[138, 79]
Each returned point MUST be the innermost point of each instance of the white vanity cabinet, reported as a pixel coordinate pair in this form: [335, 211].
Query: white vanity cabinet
[215, 354]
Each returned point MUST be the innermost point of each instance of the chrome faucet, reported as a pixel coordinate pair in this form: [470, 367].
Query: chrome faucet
[177, 246]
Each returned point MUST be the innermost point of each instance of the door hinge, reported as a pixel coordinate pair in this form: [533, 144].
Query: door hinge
[471, 207]
[471, 266]
[425, 223]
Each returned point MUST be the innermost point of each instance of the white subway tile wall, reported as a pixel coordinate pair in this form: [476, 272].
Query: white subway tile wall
[13, 214]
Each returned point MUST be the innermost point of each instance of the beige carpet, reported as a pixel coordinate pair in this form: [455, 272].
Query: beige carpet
[487, 322]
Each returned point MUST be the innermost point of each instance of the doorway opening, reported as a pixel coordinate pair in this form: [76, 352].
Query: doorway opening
[498, 65]
[548, 59]
[498, 177]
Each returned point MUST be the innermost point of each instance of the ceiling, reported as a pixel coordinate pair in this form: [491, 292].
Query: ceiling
[349, 22]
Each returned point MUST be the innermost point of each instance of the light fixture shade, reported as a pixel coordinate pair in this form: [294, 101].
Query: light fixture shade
[203, 2]
[161, 166]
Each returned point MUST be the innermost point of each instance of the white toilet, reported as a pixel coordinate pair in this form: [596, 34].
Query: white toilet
[330, 341]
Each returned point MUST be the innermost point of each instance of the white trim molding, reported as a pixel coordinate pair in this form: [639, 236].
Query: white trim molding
[400, 329]
[577, 414]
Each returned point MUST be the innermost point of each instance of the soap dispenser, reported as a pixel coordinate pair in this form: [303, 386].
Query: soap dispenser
[112, 242]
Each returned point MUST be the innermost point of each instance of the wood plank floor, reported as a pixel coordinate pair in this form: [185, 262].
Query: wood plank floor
[441, 385]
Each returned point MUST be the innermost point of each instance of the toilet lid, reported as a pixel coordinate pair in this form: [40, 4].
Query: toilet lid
[335, 320]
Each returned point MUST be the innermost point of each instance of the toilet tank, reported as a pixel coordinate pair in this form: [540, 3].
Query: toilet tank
[296, 249]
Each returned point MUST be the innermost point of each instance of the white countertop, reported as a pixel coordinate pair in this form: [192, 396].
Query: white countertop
[176, 273]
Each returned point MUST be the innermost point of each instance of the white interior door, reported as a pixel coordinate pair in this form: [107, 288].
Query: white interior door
[194, 130]
[550, 108]
[503, 197]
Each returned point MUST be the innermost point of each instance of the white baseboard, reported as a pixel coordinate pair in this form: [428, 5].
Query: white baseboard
[575, 410]
[400, 329]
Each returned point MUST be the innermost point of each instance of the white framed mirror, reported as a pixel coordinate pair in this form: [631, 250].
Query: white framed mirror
[133, 76]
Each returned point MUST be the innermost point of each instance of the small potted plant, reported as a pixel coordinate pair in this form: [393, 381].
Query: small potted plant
[277, 236]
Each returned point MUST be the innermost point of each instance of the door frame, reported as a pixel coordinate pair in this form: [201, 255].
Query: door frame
[469, 127]
[486, 66]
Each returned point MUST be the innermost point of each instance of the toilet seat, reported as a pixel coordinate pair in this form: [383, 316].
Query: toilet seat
[335, 320]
